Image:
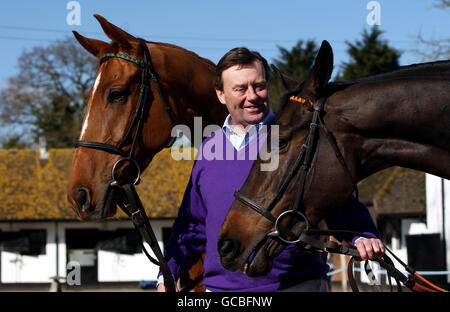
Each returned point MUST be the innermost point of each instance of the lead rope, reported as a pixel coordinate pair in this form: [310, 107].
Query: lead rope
[315, 245]
[132, 206]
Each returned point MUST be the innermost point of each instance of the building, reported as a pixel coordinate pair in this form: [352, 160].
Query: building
[40, 233]
[438, 218]
[409, 208]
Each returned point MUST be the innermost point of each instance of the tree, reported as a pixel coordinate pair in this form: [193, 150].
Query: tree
[295, 63]
[48, 95]
[442, 4]
[369, 56]
[13, 141]
[434, 49]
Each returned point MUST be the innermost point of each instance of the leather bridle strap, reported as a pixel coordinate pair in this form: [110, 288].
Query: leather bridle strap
[304, 160]
[132, 206]
[310, 151]
[339, 156]
[128, 200]
[142, 109]
[304, 240]
[112, 149]
[315, 245]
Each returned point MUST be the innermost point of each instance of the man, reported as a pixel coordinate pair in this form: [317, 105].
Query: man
[241, 85]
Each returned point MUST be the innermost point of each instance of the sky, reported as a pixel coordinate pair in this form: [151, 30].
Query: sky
[211, 28]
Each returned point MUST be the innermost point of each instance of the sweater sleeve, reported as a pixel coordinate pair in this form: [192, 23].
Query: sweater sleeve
[352, 216]
[187, 241]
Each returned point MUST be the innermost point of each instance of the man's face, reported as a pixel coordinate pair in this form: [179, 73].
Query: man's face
[245, 93]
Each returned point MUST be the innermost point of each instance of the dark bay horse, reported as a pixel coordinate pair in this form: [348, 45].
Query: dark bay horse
[399, 118]
[185, 82]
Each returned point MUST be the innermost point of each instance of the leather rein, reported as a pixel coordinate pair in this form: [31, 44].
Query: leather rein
[304, 240]
[129, 200]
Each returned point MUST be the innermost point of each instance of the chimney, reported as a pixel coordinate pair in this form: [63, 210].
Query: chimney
[43, 153]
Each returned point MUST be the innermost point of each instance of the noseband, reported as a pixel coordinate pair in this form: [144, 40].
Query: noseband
[304, 159]
[129, 200]
[304, 240]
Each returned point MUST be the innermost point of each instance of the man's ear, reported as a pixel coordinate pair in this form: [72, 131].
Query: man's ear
[220, 95]
[288, 83]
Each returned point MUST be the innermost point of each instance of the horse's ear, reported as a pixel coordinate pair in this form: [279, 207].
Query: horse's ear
[93, 46]
[320, 73]
[117, 35]
[288, 83]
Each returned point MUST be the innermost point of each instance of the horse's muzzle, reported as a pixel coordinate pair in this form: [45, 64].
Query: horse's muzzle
[228, 251]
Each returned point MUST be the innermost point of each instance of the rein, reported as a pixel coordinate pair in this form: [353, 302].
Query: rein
[129, 200]
[304, 240]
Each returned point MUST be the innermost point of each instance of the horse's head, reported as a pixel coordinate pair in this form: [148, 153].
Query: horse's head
[246, 247]
[110, 111]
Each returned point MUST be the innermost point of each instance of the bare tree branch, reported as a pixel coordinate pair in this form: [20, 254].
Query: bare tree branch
[433, 49]
[49, 92]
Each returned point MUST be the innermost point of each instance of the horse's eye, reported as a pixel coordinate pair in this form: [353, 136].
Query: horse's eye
[117, 95]
[282, 143]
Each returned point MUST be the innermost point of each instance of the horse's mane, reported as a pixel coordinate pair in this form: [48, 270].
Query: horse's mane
[414, 70]
[170, 45]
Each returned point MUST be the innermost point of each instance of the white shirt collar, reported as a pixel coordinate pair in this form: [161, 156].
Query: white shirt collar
[238, 141]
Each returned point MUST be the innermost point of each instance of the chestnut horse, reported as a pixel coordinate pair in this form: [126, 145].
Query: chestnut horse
[184, 80]
[399, 118]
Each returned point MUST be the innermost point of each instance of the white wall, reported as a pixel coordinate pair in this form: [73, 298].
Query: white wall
[16, 268]
[123, 267]
[435, 211]
[112, 267]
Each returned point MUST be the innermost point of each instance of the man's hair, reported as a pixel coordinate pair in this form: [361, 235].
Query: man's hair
[238, 56]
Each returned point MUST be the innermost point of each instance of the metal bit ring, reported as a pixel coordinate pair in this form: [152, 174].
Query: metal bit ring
[278, 231]
[131, 161]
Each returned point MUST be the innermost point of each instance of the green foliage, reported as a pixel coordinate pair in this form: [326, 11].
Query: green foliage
[14, 141]
[295, 63]
[369, 56]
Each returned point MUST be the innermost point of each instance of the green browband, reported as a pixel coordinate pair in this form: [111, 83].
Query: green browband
[123, 56]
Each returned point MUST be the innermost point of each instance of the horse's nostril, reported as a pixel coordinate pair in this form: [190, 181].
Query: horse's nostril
[228, 247]
[82, 198]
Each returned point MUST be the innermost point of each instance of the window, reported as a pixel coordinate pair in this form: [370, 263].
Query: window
[25, 242]
[125, 241]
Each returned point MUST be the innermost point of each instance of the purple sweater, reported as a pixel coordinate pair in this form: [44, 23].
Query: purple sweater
[206, 201]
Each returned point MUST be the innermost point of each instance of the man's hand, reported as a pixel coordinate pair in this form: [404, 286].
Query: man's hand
[367, 247]
[162, 288]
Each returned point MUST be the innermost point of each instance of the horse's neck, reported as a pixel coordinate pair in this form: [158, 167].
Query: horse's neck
[191, 77]
[407, 124]
[201, 100]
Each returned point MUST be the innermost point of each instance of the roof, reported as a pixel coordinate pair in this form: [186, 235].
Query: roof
[32, 189]
[395, 190]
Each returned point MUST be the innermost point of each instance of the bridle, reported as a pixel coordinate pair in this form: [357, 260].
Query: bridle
[304, 159]
[141, 113]
[304, 239]
[129, 200]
